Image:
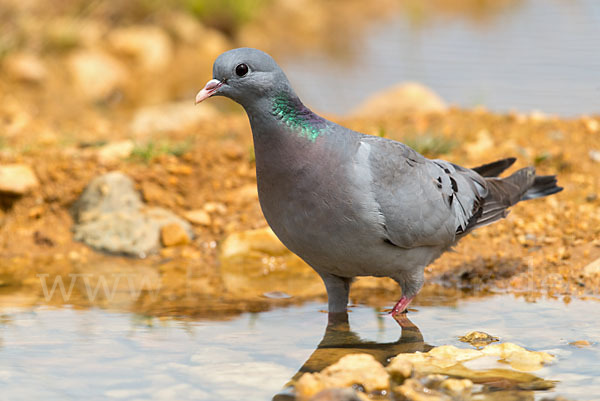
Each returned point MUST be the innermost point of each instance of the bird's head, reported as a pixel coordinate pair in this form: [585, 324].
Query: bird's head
[244, 75]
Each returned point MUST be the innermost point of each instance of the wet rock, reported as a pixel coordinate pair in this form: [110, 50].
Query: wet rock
[97, 75]
[457, 388]
[115, 151]
[336, 394]
[401, 98]
[150, 46]
[518, 357]
[169, 117]
[580, 343]
[252, 243]
[478, 338]
[25, 67]
[173, 234]
[351, 370]
[110, 216]
[400, 369]
[17, 179]
[413, 390]
[199, 217]
[448, 360]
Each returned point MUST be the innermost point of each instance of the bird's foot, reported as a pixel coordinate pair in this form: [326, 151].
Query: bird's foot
[401, 306]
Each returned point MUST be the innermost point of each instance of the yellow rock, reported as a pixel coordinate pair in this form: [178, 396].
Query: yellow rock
[173, 234]
[199, 217]
[17, 179]
[478, 338]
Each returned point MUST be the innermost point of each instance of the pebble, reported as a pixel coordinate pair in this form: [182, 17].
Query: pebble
[115, 151]
[199, 217]
[17, 179]
[592, 268]
[580, 343]
[173, 234]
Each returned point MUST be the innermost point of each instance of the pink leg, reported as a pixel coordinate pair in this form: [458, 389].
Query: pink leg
[401, 305]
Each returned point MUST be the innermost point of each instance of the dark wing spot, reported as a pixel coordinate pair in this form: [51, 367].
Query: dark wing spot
[447, 171]
[454, 184]
[439, 182]
[451, 199]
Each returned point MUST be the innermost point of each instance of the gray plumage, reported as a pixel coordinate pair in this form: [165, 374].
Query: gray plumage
[351, 204]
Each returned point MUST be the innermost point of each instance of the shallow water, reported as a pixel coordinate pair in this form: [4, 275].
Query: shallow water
[533, 55]
[93, 354]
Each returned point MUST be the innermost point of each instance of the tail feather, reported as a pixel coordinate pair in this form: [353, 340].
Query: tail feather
[506, 192]
[543, 185]
[494, 169]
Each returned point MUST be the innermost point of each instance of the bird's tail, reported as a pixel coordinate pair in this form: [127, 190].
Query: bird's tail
[506, 192]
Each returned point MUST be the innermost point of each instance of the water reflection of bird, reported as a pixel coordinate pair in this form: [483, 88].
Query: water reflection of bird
[339, 340]
[351, 204]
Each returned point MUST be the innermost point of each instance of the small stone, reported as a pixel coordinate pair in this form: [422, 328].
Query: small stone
[199, 217]
[592, 268]
[591, 197]
[96, 74]
[404, 97]
[215, 207]
[17, 179]
[595, 155]
[478, 338]
[580, 343]
[25, 67]
[115, 151]
[173, 234]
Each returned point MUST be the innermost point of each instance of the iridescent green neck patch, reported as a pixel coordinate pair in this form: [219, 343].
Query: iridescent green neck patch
[298, 117]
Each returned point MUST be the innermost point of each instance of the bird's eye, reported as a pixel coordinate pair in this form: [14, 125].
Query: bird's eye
[241, 70]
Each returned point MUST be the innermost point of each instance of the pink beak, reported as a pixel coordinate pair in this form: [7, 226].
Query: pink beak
[209, 89]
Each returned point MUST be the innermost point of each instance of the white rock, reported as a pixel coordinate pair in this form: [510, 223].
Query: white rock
[592, 268]
[17, 179]
[403, 97]
[96, 74]
[169, 117]
[595, 155]
[150, 46]
[115, 151]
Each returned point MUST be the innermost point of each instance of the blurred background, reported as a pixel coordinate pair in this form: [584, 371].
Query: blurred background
[179, 296]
